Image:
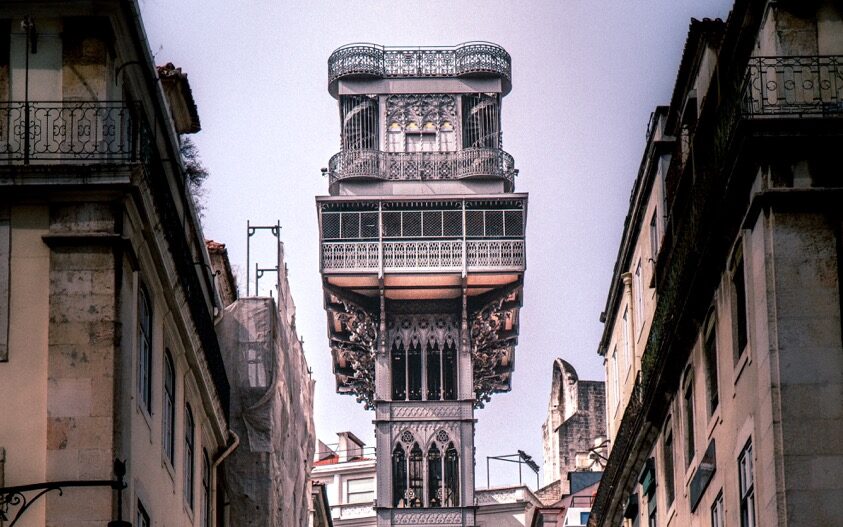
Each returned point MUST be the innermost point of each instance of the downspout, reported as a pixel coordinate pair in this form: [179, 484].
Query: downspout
[235, 442]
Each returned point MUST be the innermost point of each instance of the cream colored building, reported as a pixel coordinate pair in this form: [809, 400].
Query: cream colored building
[722, 342]
[107, 304]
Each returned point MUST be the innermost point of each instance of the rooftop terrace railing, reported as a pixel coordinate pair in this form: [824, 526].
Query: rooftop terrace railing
[423, 166]
[469, 58]
[68, 131]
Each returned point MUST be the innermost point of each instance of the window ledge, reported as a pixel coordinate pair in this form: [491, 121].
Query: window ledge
[743, 361]
[713, 421]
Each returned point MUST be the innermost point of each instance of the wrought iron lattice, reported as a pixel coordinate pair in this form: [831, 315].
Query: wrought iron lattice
[801, 85]
[69, 131]
[409, 166]
[380, 61]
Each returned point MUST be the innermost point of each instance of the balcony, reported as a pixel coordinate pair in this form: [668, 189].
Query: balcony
[423, 166]
[373, 60]
[810, 86]
[432, 237]
[68, 132]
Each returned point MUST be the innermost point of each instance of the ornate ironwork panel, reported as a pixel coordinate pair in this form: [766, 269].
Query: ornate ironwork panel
[464, 59]
[357, 346]
[68, 131]
[810, 85]
[407, 166]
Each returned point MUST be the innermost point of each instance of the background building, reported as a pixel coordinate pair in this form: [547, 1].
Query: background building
[723, 329]
[268, 475]
[422, 258]
[107, 302]
[347, 470]
[574, 434]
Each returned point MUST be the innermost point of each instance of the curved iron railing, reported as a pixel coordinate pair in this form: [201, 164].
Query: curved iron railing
[794, 86]
[469, 58]
[407, 166]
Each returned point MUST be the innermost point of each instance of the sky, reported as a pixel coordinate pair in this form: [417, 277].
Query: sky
[586, 76]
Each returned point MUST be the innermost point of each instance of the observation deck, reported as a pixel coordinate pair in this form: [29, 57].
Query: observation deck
[469, 59]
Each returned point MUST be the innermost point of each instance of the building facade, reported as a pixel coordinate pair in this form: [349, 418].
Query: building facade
[347, 470]
[107, 304]
[722, 342]
[574, 434]
[422, 258]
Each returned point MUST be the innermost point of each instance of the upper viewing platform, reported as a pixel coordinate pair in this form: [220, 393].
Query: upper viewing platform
[469, 59]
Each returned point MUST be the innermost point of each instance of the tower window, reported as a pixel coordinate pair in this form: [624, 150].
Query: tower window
[399, 476]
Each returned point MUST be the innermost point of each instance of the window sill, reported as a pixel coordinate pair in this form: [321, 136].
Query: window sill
[147, 418]
[168, 468]
[713, 421]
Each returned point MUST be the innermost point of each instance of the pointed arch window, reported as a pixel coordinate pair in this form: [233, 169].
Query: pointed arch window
[434, 372]
[399, 372]
[434, 476]
[451, 497]
[399, 476]
[415, 478]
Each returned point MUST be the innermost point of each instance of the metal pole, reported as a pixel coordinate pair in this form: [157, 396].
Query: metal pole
[488, 486]
[248, 268]
[519, 472]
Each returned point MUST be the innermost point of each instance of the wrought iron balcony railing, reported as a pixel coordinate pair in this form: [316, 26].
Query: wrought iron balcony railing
[469, 58]
[69, 131]
[794, 86]
[406, 166]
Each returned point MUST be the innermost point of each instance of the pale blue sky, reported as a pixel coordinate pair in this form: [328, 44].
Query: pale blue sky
[586, 75]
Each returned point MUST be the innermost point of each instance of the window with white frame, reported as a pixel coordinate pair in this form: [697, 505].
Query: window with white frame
[638, 290]
[615, 381]
[627, 340]
[360, 490]
[710, 356]
[688, 410]
[144, 349]
[654, 235]
[189, 449]
[746, 484]
[717, 512]
[168, 424]
[142, 516]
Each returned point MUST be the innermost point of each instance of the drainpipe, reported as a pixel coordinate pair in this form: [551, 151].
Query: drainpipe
[235, 442]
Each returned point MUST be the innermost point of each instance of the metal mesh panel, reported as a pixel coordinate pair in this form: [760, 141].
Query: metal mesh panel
[330, 226]
[494, 223]
[474, 223]
[432, 223]
[369, 225]
[392, 224]
[513, 221]
[350, 225]
[452, 223]
[411, 223]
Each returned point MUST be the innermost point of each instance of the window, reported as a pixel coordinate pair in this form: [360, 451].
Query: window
[638, 285]
[399, 476]
[688, 407]
[746, 482]
[654, 235]
[189, 444]
[144, 350]
[739, 296]
[360, 490]
[5, 251]
[169, 413]
[415, 477]
[452, 477]
[669, 490]
[615, 384]
[434, 476]
[256, 368]
[710, 352]
[143, 517]
[717, 512]
[437, 380]
[627, 344]
[206, 490]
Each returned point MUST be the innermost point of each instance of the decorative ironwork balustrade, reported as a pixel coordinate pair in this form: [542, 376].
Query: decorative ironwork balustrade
[406, 166]
[469, 58]
[794, 86]
[424, 255]
[71, 131]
